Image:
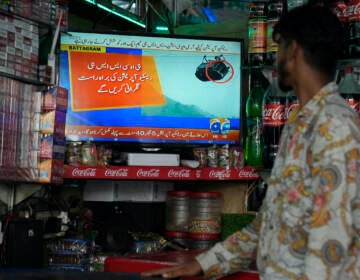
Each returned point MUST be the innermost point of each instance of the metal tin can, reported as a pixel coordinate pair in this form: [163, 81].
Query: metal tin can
[205, 213]
[203, 241]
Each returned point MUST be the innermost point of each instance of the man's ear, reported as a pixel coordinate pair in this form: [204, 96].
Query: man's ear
[292, 50]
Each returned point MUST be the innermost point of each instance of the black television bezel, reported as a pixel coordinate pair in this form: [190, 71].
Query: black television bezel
[171, 146]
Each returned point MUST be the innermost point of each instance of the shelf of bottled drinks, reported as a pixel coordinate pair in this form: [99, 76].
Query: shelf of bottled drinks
[267, 106]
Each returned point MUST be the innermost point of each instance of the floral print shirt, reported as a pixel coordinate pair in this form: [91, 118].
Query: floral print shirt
[309, 224]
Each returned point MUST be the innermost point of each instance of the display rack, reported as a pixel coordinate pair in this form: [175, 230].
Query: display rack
[158, 173]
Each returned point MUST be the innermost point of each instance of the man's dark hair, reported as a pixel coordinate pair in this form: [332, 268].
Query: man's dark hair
[318, 31]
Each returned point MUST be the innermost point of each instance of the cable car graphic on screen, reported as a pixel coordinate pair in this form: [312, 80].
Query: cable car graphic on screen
[219, 125]
[212, 70]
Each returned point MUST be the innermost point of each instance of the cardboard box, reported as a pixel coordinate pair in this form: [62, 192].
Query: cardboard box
[52, 146]
[152, 159]
[53, 122]
[51, 171]
[55, 98]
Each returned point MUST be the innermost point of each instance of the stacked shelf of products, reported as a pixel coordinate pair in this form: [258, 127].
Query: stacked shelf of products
[96, 160]
[70, 254]
[22, 79]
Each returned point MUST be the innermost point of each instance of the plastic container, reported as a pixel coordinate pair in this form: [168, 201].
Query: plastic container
[177, 211]
[205, 213]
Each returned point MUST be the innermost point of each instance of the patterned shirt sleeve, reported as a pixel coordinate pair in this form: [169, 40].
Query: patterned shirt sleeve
[235, 253]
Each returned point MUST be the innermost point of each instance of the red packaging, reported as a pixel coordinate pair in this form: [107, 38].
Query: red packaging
[55, 98]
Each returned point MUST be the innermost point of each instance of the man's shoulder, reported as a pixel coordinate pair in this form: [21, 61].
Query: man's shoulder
[337, 109]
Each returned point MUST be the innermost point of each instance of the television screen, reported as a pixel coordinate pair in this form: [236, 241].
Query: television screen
[151, 88]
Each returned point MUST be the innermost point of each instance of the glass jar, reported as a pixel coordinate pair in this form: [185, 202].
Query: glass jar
[177, 211]
[88, 153]
[205, 213]
[73, 153]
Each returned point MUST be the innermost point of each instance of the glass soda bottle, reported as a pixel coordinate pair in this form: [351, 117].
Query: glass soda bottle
[254, 143]
[350, 89]
[353, 8]
[273, 120]
[341, 10]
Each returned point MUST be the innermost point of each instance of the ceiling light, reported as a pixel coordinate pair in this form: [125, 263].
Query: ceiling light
[94, 2]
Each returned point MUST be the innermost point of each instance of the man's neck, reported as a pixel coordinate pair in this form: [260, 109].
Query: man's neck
[308, 84]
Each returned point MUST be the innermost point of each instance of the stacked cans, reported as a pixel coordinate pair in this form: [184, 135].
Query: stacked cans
[193, 219]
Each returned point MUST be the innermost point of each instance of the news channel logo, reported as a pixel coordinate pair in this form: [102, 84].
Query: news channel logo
[219, 126]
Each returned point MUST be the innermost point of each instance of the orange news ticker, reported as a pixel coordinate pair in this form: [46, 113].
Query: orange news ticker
[78, 131]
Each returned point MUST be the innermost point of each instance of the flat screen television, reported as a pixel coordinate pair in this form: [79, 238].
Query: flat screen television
[151, 88]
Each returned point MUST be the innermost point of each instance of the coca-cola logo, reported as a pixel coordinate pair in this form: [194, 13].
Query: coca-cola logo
[224, 173]
[274, 114]
[151, 173]
[179, 173]
[121, 172]
[87, 172]
[244, 173]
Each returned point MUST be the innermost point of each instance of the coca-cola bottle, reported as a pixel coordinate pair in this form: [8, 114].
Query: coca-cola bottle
[254, 143]
[353, 10]
[291, 103]
[340, 9]
[273, 120]
[350, 89]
